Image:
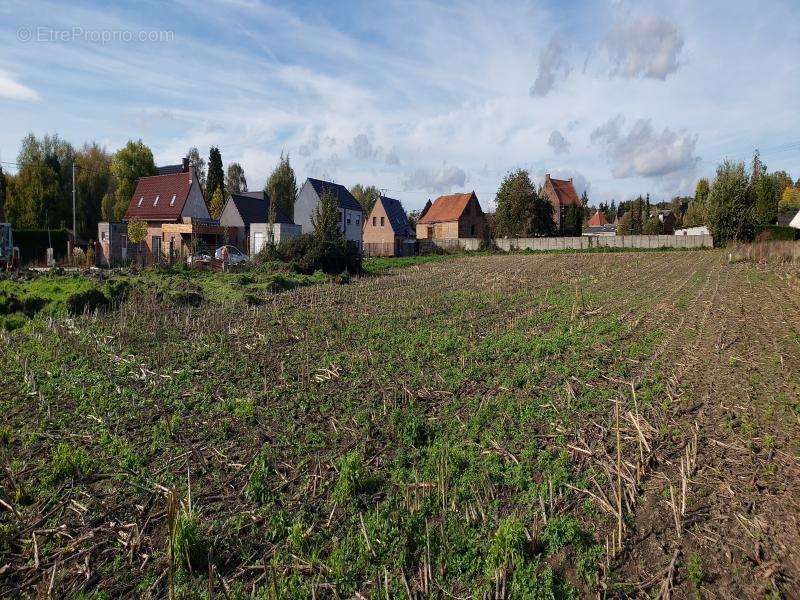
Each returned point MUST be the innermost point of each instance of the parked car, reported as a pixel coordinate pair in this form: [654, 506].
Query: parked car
[235, 256]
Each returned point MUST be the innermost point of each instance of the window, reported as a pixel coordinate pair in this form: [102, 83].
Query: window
[358, 220]
[381, 221]
[155, 202]
[341, 217]
[102, 236]
[374, 221]
[141, 199]
[156, 245]
[348, 219]
[124, 241]
[172, 202]
[472, 229]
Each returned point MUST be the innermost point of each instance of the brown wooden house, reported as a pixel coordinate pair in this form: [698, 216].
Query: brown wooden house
[452, 217]
[561, 194]
[386, 230]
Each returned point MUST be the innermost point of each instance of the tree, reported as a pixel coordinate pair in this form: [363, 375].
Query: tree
[330, 247]
[696, 212]
[137, 231]
[790, 199]
[216, 204]
[573, 220]
[730, 209]
[766, 196]
[783, 180]
[216, 176]
[521, 210]
[585, 206]
[624, 224]
[42, 194]
[3, 187]
[92, 183]
[413, 217]
[235, 181]
[282, 186]
[199, 165]
[366, 196]
[128, 164]
[653, 226]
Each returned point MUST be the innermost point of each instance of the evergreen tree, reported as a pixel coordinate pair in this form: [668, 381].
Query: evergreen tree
[282, 186]
[216, 176]
[573, 220]
[521, 210]
[330, 246]
[653, 226]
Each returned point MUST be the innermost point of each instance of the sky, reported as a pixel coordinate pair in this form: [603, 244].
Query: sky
[416, 98]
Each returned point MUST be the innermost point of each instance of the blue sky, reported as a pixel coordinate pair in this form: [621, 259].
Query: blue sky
[418, 98]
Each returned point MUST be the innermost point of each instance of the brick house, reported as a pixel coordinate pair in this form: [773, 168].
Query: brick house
[453, 217]
[386, 229]
[175, 210]
[561, 194]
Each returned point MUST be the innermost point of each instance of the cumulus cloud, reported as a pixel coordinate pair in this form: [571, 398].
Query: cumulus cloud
[647, 46]
[434, 180]
[558, 142]
[645, 152]
[552, 63]
[13, 90]
[363, 149]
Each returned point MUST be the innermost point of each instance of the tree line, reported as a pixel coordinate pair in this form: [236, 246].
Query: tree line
[39, 195]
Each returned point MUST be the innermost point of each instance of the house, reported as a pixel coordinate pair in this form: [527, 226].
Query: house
[452, 217]
[175, 210]
[247, 211]
[351, 215]
[386, 229]
[700, 230]
[598, 225]
[795, 222]
[561, 194]
[668, 220]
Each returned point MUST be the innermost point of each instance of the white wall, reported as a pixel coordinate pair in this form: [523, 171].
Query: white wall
[259, 232]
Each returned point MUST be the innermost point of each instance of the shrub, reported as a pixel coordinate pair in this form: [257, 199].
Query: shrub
[87, 300]
[507, 548]
[188, 542]
[777, 233]
[67, 461]
[352, 476]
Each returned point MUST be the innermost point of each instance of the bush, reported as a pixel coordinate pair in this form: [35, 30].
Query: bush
[86, 301]
[778, 234]
[307, 254]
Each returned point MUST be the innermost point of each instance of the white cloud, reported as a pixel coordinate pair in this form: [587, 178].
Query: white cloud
[552, 63]
[644, 152]
[392, 158]
[13, 90]
[435, 180]
[558, 142]
[646, 46]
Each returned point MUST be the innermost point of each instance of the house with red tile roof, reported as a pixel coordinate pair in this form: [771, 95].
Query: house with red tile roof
[561, 194]
[598, 219]
[175, 210]
[452, 217]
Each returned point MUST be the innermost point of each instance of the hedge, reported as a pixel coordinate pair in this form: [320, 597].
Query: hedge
[33, 243]
[778, 233]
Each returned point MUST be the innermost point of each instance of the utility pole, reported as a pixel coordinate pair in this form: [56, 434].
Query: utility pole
[74, 226]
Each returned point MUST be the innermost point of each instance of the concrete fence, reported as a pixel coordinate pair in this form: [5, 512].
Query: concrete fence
[574, 243]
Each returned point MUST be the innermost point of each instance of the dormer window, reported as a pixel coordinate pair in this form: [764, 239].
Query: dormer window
[141, 199]
[172, 201]
[155, 202]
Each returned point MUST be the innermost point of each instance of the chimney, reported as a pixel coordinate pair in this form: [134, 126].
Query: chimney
[185, 164]
[547, 176]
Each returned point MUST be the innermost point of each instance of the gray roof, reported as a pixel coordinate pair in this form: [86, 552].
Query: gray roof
[169, 169]
[253, 207]
[397, 216]
[343, 197]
